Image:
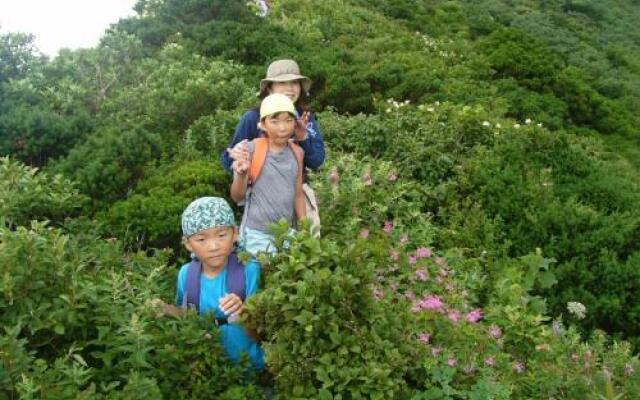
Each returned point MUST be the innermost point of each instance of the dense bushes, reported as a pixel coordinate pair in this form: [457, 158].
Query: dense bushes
[476, 230]
[28, 195]
[150, 217]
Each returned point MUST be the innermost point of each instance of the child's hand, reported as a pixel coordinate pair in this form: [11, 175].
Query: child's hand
[301, 126]
[240, 151]
[231, 305]
[241, 167]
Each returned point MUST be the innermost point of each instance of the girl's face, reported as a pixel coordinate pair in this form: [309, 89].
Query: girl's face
[291, 89]
[279, 127]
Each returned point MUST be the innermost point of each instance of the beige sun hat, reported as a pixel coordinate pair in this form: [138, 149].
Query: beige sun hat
[284, 71]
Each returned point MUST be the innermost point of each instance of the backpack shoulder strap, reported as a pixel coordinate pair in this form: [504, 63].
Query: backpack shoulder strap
[235, 276]
[257, 160]
[191, 297]
[298, 153]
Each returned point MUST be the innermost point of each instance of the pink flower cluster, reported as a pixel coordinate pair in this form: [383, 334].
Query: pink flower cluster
[429, 303]
[421, 274]
[474, 316]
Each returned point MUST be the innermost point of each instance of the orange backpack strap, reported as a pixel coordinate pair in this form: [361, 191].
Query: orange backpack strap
[298, 153]
[257, 160]
[260, 155]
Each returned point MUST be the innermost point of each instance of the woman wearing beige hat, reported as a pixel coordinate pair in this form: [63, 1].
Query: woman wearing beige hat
[283, 76]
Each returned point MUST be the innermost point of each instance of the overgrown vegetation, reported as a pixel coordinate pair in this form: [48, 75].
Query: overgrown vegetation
[481, 185]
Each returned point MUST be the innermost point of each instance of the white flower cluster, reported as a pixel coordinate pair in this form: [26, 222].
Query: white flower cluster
[430, 42]
[396, 104]
[429, 108]
[577, 309]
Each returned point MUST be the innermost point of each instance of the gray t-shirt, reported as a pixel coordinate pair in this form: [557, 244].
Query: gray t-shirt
[273, 194]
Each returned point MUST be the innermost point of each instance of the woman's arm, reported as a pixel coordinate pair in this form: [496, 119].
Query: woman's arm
[313, 145]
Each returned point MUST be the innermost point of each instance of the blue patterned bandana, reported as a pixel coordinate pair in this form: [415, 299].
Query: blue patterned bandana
[205, 213]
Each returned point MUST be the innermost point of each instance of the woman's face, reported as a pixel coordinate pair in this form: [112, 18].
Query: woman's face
[291, 89]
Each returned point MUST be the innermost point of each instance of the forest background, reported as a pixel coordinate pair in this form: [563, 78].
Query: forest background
[481, 233]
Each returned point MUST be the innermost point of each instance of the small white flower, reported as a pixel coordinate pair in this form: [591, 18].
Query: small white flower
[498, 125]
[486, 123]
[539, 124]
[388, 110]
[407, 102]
[437, 103]
[577, 309]
[527, 121]
[517, 126]
[430, 109]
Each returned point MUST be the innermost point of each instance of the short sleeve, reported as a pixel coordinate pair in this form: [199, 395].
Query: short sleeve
[252, 277]
[182, 276]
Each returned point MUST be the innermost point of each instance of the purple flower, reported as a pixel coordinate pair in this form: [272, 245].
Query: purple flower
[423, 252]
[495, 332]
[393, 254]
[518, 367]
[424, 337]
[474, 316]
[404, 239]
[435, 351]
[364, 233]
[490, 361]
[452, 362]
[388, 227]
[432, 303]
[421, 274]
[410, 295]
[412, 259]
[378, 294]
[454, 316]
[393, 176]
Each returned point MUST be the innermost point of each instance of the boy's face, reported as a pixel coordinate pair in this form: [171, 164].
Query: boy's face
[212, 246]
[279, 127]
[291, 89]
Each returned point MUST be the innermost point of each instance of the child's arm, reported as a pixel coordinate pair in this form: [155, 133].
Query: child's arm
[240, 180]
[247, 129]
[299, 205]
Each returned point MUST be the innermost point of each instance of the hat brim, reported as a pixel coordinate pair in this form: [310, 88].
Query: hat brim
[304, 81]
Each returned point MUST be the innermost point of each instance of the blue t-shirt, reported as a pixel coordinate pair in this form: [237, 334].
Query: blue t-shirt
[235, 340]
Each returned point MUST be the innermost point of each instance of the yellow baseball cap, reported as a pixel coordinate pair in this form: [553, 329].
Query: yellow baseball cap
[275, 103]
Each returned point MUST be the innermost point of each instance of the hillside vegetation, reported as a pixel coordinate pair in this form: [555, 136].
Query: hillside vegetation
[479, 202]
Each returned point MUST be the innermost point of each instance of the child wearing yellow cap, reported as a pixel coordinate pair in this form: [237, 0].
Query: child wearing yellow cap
[269, 179]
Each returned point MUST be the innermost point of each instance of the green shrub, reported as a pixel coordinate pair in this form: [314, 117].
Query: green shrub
[150, 216]
[27, 194]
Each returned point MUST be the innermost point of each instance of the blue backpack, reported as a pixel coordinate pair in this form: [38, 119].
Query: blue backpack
[235, 281]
